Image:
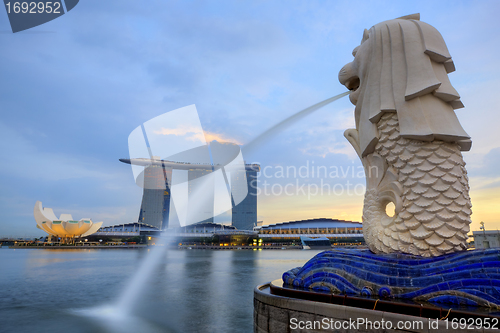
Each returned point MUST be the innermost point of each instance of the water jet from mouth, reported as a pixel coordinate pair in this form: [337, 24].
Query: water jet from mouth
[282, 125]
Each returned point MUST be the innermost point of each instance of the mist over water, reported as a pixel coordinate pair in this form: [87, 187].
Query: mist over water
[121, 315]
[128, 298]
[265, 136]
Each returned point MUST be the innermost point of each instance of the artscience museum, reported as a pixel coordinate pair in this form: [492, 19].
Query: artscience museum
[63, 227]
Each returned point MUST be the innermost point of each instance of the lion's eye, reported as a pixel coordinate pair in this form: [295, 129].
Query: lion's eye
[355, 51]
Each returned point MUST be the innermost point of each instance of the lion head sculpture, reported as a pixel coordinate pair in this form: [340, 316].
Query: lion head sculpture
[401, 66]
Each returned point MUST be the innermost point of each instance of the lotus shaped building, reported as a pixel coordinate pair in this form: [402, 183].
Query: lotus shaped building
[64, 226]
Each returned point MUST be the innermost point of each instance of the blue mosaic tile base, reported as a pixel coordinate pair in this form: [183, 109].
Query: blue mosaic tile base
[469, 278]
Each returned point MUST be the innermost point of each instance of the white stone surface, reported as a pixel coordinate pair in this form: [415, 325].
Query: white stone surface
[409, 139]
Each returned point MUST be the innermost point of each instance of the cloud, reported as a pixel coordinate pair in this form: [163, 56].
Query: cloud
[195, 134]
[491, 163]
[190, 133]
[219, 138]
[28, 162]
[70, 99]
[335, 148]
[485, 172]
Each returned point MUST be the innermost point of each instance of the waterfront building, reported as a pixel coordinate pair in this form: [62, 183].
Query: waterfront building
[339, 231]
[226, 235]
[157, 206]
[244, 215]
[196, 233]
[207, 205]
[136, 229]
[64, 227]
[486, 239]
[133, 228]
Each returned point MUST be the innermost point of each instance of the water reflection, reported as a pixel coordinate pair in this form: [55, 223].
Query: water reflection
[191, 291]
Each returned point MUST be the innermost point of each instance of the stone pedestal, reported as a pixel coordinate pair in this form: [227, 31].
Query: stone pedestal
[277, 314]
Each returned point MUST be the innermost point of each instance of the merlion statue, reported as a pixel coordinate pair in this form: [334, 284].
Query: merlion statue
[409, 139]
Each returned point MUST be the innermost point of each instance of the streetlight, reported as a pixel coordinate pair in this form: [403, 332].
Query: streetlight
[482, 228]
[484, 232]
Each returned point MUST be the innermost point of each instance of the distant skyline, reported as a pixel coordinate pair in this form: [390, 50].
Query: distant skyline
[74, 88]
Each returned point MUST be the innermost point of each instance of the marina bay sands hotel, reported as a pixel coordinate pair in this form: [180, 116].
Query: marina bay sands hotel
[157, 206]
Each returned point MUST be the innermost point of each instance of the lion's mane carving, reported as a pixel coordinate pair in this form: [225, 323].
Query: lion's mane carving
[409, 139]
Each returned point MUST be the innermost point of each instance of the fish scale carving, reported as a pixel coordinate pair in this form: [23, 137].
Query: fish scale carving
[435, 213]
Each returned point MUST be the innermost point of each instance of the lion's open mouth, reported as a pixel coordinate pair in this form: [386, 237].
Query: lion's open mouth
[353, 83]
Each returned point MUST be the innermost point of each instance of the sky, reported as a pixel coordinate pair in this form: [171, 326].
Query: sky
[73, 89]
